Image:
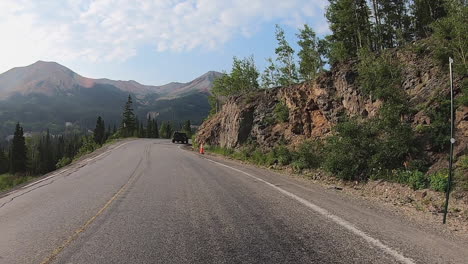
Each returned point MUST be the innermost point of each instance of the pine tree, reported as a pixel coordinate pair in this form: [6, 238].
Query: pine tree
[163, 130]
[155, 129]
[425, 12]
[137, 127]
[349, 22]
[49, 153]
[18, 155]
[3, 162]
[392, 23]
[310, 61]
[108, 132]
[187, 128]
[270, 76]
[166, 130]
[170, 130]
[149, 127]
[128, 122]
[99, 131]
[242, 79]
[285, 57]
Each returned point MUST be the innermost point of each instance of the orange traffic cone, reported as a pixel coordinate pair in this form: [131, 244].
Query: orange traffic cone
[202, 150]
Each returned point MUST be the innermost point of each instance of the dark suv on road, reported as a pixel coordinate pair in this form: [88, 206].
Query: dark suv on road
[179, 137]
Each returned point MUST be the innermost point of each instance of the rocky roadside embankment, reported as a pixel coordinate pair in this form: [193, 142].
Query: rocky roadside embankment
[314, 109]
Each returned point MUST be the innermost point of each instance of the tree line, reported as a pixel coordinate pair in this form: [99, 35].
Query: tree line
[43, 153]
[363, 33]
[357, 26]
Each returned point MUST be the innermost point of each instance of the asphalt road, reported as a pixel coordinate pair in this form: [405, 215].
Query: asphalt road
[149, 201]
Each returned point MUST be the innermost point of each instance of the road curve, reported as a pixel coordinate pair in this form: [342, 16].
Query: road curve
[149, 201]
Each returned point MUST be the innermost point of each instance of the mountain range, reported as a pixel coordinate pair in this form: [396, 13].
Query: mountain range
[47, 95]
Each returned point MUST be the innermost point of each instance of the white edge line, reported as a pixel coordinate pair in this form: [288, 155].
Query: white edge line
[338, 220]
[63, 171]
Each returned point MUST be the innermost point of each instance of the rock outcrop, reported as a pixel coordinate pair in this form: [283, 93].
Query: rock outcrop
[314, 108]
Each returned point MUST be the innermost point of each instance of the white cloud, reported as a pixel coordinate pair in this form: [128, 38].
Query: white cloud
[113, 30]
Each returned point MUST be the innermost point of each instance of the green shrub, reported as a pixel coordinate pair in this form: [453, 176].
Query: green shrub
[8, 181]
[439, 181]
[419, 165]
[415, 179]
[298, 165]
[463, 162]
[88, 146]
[283, 155]
[219, 150]
[258, 157]
[451, 37]
[194, 142]
[437, 134]
[463, 99]
[63, 162]
[308, 156]
[347, 153]
[244, 153]
[379, 76]
[281, 112]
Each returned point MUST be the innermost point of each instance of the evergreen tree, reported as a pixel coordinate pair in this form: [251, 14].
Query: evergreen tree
[242, 79]
[166, 130]
[49, 161]
[163, 130]
[141, 131]
[3, 162]
[285, 56]
[425, 12]
[137, 128]
[128, 122]
[60, 149]
[149, 127]
[170, 130]
[270, 76]
[451, 36]
[108, 132]
[187, 128]
[349, 22]
[310, 61]
[155, 129]
[99, 131]
[18, 156]
[392, 23]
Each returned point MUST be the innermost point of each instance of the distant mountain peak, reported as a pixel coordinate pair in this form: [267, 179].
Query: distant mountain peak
[49, 77]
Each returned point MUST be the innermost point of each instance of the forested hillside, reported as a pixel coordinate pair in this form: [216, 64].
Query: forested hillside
[25, 157]
[48, 96]
[381, 111]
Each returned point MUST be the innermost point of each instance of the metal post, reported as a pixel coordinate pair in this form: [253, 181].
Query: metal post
[452, 142]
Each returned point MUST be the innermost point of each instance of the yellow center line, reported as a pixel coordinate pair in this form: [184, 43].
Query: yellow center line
[75, 234]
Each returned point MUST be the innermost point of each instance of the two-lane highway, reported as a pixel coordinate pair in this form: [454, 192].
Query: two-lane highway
[148, 201]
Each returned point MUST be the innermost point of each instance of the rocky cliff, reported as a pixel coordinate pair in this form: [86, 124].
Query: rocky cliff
[314, 108]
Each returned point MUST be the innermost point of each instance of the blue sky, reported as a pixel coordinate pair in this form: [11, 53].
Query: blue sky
[150, 41]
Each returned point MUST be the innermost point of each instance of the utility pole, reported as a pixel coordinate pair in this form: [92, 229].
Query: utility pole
[452, 143]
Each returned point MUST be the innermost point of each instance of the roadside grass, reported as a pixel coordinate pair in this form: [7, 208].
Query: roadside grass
[8, 181]
[305, 157]
[309, 155]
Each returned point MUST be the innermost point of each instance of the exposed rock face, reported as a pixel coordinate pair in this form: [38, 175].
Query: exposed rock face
[314, 108]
